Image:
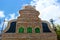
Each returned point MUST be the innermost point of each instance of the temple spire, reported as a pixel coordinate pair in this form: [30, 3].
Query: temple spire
[29, 7]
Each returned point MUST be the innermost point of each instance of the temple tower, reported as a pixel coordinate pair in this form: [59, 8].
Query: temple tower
[28, 26]
[28, 18]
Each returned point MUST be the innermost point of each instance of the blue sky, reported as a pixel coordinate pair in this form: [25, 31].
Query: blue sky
[48, 9]
[8, 7]
[12, 6]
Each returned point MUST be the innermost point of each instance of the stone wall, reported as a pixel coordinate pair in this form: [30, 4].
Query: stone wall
[38, 36]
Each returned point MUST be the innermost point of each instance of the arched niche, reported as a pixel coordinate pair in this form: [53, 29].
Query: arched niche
[11, 27]
[21, 30]
[46, 26]
[29, 30]
[37, 30]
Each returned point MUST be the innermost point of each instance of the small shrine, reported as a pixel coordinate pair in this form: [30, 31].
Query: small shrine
[28, 26]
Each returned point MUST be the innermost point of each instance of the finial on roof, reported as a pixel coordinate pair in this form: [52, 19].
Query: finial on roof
[29, 7]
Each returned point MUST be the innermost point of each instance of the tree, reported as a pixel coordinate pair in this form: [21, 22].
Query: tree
[58, 29]
[58, 32]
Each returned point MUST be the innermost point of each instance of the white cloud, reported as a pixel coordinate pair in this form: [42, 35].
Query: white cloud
[48, 8]
[50, 12]
[2, 14]
[11, 17]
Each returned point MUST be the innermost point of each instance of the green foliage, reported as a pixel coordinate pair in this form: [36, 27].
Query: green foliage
[58, 32]
[58, 29]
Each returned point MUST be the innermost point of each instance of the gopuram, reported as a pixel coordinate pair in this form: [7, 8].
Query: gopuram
[28, 26]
